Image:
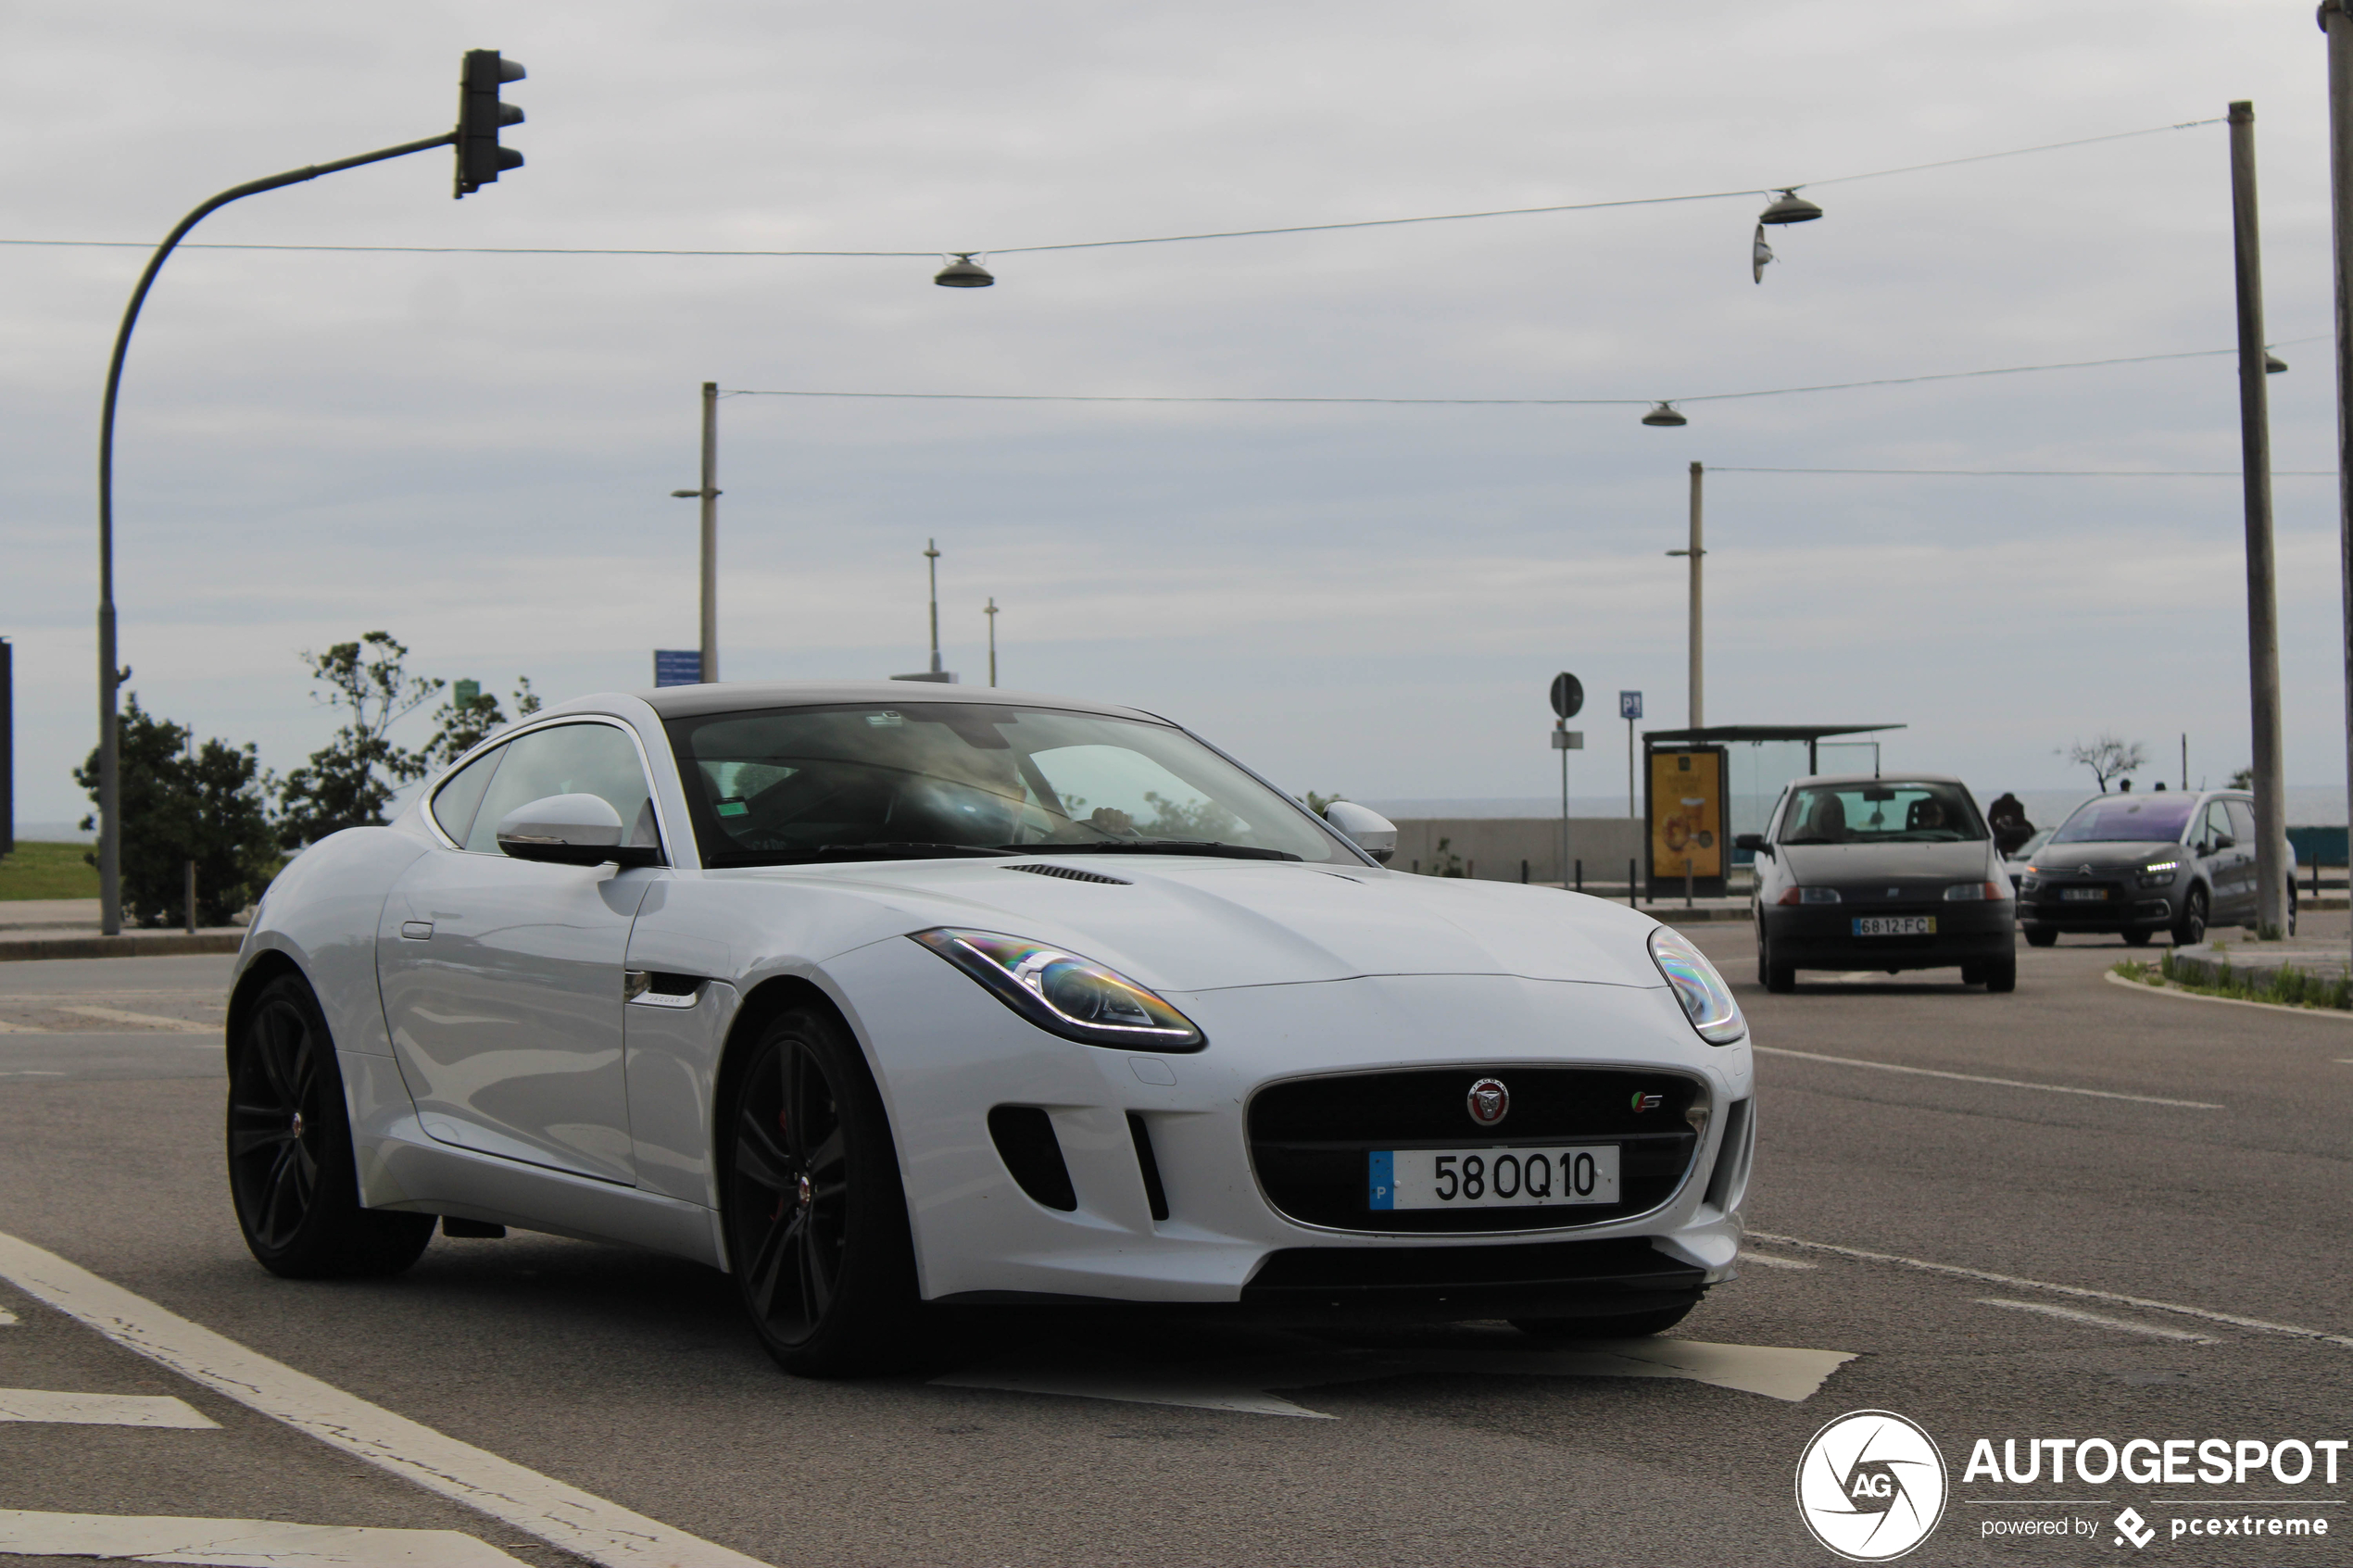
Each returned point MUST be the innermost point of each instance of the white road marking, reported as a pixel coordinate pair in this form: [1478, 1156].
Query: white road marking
[1245, 1386]
[1772, 1262]
[8, 1318]
[2147, 990]
[2096, 1321]
[146, 1020]
[564, 1515]
[240, 1543]
[100, 1410]
[1974, 1078]
[1986, 1276]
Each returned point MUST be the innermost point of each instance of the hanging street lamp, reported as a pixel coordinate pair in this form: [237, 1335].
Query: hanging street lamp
[1665, 414]
[963, 273]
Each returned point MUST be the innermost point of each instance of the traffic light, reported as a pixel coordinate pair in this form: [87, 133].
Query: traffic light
[480, 115]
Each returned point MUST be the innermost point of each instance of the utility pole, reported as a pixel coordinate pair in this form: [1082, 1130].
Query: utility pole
[1695, 553]
[2338, 24]
[931, 558]
[707, 493]
[2263, 594]
[991, 613]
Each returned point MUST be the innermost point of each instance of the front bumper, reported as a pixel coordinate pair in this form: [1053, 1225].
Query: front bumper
[2127, 906]
[1822, 935]
[946, 1053]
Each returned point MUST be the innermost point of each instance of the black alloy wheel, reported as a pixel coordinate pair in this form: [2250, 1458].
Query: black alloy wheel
[2041, 936]
[292, 1177]
[816, 1214]
[2138, 938]
[2190, 930]
[1627, 1325]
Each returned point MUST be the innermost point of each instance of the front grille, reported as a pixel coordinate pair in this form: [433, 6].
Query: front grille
[1310, 1139]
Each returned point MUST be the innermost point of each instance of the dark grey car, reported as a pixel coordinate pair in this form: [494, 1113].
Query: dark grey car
[2139, 864]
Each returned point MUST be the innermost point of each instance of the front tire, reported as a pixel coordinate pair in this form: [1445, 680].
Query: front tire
[292, 1178]
[2190, 930]
[815, 1215]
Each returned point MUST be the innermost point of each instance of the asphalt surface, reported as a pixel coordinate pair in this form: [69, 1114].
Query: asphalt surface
[630, 1376]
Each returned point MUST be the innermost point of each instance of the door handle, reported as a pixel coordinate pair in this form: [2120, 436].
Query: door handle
[416, 930]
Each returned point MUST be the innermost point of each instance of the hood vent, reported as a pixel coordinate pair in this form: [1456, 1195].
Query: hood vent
[1073, 873]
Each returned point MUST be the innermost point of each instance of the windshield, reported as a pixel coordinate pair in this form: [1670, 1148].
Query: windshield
[850, 782]
[1880, 812]
[2124, 819]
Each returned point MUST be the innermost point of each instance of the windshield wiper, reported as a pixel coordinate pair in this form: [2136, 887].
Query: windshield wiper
[1155, 847]
[899, 850]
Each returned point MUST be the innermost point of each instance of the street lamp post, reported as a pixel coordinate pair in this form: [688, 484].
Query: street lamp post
[479, 160]
[991, 613]
[707, 493]
[2262, 597]
[931, 565]
[1695, 553]
[2338, 24]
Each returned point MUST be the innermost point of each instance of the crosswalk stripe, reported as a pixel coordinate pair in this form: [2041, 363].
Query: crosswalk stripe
[240, 1543]
[578, 1520]
[100, 1410]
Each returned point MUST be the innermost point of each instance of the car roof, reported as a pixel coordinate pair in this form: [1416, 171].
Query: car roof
[1886, 778]
[735, 696]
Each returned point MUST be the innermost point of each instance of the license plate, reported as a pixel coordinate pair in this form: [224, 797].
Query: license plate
[2083, 895]
[1895, 925]
[1492, 1178]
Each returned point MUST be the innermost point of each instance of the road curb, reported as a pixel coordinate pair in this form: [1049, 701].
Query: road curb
[2168, 989]
[130, 944]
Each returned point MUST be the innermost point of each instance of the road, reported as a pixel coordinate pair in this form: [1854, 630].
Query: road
[2205, 1169]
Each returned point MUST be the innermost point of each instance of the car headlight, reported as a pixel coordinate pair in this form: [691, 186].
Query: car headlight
[1705, 999]
[2158, 873]
[1075, 997]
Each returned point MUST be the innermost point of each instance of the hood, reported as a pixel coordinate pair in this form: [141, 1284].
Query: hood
[2058, 860]
[1184, 924]
[1828, 865]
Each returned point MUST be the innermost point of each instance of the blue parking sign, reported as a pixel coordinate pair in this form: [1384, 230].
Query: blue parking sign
[1630, 704]
[677, 667]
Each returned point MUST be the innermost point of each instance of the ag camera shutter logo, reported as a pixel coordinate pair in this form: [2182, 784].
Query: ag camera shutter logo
[1870, 1486]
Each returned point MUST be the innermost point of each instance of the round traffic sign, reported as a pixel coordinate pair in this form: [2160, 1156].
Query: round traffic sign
[1569, 695]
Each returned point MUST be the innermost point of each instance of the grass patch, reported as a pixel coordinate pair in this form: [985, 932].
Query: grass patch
[2286, 987]
[47, 870]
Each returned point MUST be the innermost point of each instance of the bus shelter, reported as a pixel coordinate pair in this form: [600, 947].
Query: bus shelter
[1704, 787]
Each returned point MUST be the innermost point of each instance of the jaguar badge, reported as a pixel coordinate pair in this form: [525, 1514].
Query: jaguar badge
[1489, 1101]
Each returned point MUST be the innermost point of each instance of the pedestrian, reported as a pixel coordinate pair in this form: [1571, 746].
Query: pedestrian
[2008, 818]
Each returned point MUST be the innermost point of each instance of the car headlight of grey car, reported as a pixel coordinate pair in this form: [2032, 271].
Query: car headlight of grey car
[2160, 874]
[1066, 994]
[1705, 999]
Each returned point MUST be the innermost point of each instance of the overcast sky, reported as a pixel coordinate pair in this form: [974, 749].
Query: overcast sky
[476, 451]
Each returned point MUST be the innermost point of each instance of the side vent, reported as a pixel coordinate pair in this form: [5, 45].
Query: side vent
[1025, 1141]
[1073, 873]
[1154, 1193]
[1728, 1181]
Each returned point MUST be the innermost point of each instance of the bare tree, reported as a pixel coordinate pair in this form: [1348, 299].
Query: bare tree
[2107, 756]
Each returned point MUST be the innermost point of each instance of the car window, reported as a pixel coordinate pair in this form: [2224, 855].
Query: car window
[1889, 812]
[453, 803]
[2125, 819]
[785, 786]
[2215, 826]
[568, 760]
[2242, 821]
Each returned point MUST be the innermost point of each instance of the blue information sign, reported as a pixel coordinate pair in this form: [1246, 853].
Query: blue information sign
[1630, 704]
[677, 667]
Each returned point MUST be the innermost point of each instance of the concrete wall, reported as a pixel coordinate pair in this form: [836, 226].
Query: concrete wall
[1492, 848]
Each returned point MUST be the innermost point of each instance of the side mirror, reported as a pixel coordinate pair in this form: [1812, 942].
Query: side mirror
[572, 830]
[2221, 841]
[1754, 841]
[1363, 827]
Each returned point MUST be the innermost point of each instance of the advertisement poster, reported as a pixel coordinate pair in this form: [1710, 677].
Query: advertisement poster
[1687, 814]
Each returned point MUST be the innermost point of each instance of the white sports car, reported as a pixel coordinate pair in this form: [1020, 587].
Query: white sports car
[882, 996]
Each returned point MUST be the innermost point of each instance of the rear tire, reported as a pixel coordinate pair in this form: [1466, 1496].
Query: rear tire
[1778, 978]
[2041, 938]
[815, 1215]
[2190, 930]
[2001, 976]
[292, 1178]
[1630, 1326]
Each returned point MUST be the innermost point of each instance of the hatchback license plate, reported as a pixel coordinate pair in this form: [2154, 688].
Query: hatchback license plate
[1492, 1178]
[2083, 895]
[1895, 925]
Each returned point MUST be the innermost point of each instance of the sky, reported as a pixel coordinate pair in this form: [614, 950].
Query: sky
[475, 452]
